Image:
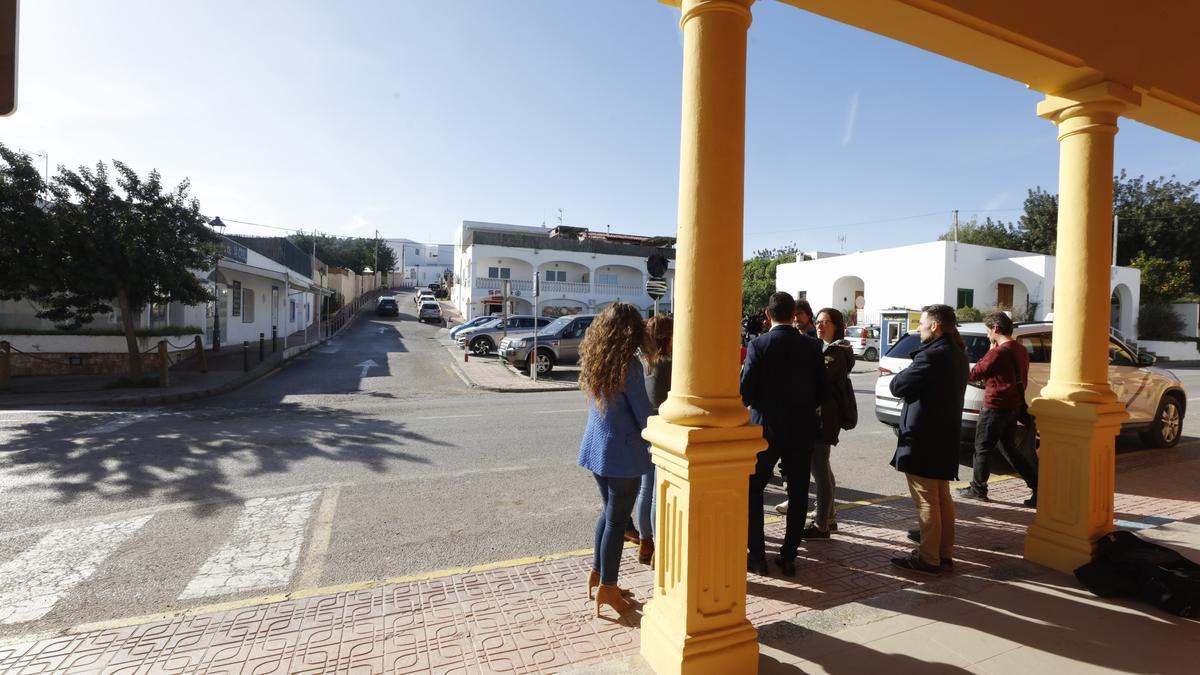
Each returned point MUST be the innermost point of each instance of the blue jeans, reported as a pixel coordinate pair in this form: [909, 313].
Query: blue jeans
[645, 506]
[618, 496]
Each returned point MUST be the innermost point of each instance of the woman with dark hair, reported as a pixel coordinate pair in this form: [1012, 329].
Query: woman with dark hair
[612, 449]
[839, 361]
[656, 360]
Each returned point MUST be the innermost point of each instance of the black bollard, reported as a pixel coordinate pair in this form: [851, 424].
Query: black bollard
[262, 339]
[245, 356]
[274, 338]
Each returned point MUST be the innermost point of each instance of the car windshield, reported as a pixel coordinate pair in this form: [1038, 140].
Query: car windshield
[977, 346]
[556, 325]
[429, 305]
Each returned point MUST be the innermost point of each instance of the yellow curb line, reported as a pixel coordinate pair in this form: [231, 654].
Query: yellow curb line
[424, 576]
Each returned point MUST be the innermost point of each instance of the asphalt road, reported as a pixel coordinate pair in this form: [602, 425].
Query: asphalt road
[363, 460]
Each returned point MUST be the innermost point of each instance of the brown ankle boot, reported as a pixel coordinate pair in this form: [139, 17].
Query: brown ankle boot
[646, 552]
[614, 597]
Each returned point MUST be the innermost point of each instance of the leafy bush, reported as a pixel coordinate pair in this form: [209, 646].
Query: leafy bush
[968, 314]
[1157, 321]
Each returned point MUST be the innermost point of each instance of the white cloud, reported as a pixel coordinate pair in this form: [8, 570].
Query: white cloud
[851, 118]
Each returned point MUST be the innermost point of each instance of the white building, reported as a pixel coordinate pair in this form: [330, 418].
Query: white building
[261, 283]
[419, 264]
[579, 270]
[959, 275]
[249, 281]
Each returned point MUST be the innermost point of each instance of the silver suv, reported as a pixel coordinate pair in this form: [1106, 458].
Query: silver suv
[864, 341]
[1154, 398]
[483, 339]
[556, 343]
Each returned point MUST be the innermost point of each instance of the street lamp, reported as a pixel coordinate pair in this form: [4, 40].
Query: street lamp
[216, 340]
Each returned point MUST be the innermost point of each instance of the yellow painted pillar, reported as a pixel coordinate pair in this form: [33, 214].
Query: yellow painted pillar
[703, 444]
[1078, 414]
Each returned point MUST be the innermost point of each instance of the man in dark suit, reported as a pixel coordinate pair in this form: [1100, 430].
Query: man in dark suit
[932, 389]
[783, 382]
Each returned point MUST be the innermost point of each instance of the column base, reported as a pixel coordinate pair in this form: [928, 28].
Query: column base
[1056, 550]
[733, 649]
[1076, 477]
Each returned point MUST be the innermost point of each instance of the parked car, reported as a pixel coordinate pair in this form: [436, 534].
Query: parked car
[387, 306]
[477, 321]
[864, 340]
[435, 286]
[430, 311]
[557, 343]
[484, 339]
[422, 297]
[1154, 398]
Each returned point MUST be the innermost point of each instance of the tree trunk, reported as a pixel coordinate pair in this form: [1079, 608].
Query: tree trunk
[135, 353]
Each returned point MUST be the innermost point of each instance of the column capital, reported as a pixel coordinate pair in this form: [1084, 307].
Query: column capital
[693, 8]
[1102, 97]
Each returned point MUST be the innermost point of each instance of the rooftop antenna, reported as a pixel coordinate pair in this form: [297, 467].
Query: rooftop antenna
[956, 235]
[842, 242]
[560, 216]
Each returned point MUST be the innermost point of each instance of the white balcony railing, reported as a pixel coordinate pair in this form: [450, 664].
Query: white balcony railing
[498, 284]
[619, 290]
[566, 287]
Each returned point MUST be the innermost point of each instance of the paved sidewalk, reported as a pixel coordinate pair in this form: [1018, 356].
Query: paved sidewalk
[847, 610]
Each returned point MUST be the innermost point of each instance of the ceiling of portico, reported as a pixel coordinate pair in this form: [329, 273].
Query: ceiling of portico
[1054, 47]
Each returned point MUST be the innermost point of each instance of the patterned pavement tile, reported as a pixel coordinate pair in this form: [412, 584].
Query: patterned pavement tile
[536, 618]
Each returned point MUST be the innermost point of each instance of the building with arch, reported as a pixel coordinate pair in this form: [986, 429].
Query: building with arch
[579, 271]
[959, 275]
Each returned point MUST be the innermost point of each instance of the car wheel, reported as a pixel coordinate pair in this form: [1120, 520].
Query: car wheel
[871, 354]
[545, 362]
[1167, 427]
[481, 346]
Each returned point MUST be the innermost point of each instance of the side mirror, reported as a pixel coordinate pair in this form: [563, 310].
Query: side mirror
[1146, 359]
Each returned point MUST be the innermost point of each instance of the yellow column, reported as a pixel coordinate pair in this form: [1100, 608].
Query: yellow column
[703, 444]
[1078, 414]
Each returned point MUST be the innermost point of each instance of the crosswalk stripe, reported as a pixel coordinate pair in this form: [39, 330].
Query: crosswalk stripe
[261, 552]
[33, 582]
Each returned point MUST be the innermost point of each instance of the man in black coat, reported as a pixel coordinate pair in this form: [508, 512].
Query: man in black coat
[783, 383]
[932, 389]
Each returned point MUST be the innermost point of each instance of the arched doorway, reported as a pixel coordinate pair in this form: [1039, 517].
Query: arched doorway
[1011, 295]
[849, 296]
[1120, 314]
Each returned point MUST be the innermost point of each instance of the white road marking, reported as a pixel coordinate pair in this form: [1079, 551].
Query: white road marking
[365, 365]
[550, 412]
[59, 412]
[262, 551]
[318, 543]
[121, 422]
[1194, 399]
[446, 417]
[33, 582]
[331, 349]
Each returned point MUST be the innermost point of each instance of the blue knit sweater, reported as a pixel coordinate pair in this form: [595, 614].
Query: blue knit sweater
[612, 442]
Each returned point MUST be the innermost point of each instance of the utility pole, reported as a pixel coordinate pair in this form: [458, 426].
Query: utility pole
[955, 235]
[376, 267]
[1116, 224]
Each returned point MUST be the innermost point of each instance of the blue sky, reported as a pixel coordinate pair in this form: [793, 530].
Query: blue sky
[409, 117]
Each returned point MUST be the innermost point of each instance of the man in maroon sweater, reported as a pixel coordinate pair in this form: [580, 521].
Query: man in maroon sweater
[1004, 370]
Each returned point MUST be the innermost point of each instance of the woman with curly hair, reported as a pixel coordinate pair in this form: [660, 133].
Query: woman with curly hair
[612, 449]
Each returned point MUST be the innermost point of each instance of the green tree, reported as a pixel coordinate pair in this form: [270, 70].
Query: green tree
[132, 243]
[1163, 280]
[1038, 226]
[758, 276]
[988, 233]
[27, 232]
[352, 253]
[1158, 219]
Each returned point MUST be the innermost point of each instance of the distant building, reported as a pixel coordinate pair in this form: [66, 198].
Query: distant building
[578, 270]
[419, 264]
[959, 275]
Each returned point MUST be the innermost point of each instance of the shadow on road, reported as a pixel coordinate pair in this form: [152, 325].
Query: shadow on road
[193, 460]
